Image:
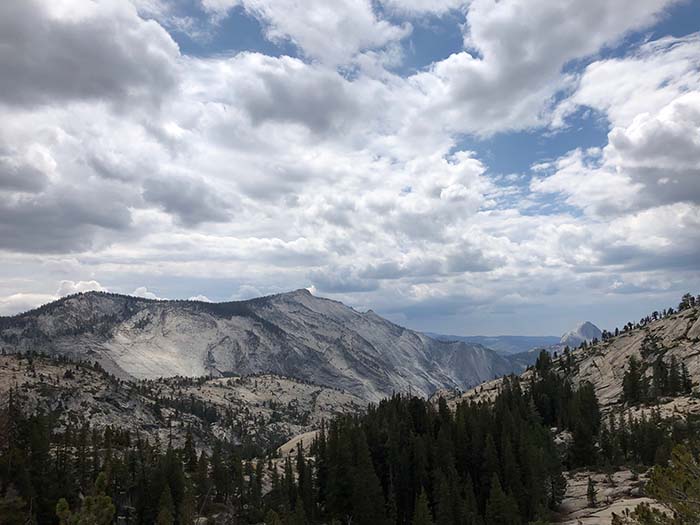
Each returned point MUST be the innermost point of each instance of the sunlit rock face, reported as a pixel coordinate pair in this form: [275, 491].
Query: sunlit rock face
[584, 332]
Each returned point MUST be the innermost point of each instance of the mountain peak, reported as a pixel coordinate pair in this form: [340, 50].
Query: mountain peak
[584, 331]
[294, 334]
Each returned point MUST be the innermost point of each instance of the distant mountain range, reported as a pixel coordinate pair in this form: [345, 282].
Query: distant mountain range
[513, 345]
[504, 344]
[293, 334]
[604, 363]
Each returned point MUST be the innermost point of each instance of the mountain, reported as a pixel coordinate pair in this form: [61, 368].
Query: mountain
[293, 334]
[520, 344]
[603, 363]
[503, 344]
[584, 332]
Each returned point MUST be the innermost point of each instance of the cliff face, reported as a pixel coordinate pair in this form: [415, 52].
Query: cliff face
[294, 334]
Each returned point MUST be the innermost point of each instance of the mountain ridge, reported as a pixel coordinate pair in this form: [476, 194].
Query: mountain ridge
[294, 334]
[504, 344]
[605, 362]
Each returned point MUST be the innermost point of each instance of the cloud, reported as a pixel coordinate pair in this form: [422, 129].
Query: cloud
[191, 201]
[202, 298]
[419, 8]
[21, 302]
[246, 291]
[62, 51]
[142, 291]
[281, 89]
[66, 287]
[333, 34]
[646, 79]
[652, 157]
[340, 280]
[21, 177]
[662, 151]
[515, 52]
[66, 220]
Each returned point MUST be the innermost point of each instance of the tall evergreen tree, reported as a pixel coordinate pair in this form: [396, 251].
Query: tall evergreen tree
[166, 508]
[368, 500]
[501, 508]
[421, 514]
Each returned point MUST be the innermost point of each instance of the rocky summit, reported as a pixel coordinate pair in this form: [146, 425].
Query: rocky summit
[584, 332]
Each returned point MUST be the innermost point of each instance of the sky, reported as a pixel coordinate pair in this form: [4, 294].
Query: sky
[459, 166]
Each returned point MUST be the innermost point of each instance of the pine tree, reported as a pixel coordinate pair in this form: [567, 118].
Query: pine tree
[659, 378]
[97, 509]
[13, 509]
[299, 516]
[634, 388]
[686, 381]
[470, 509]
[368, 499]
[219, 474]
[272, 518]
[166, 508]
[188, 510]
[189, 454]
[583, 450]
[501, 508]
[62, 512]
[421, 514]
[392, 512]
[592, 493]
[289, 485]
[674, 377]
[677, 487]
[202, 480]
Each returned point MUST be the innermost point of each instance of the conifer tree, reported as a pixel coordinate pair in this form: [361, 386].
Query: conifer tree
[633, 382]
[188, 511]
[272, 518]
[583, 450]
[368, 499]
[421, 514]
[202, 480]
[469, 513]
[299, 516]
[501, 508]
[392, 513]
[686, 381]
[13, 509]
[591, 493]
[674, 377]
[96, 509]
[166, 508]
[189, 453]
